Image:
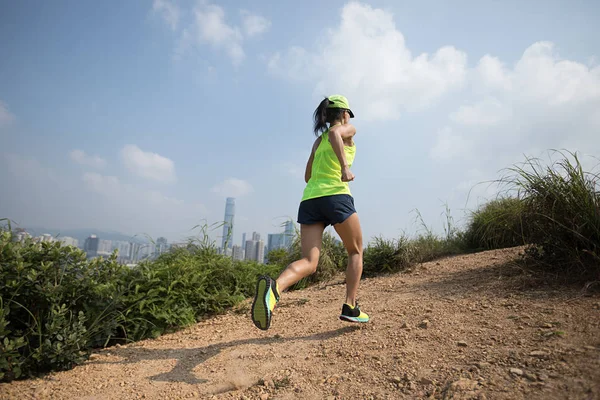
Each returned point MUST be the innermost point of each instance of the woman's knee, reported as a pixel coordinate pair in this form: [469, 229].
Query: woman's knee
[312, 264]
[355, 250]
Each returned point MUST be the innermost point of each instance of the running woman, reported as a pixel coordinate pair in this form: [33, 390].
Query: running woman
[326, 201]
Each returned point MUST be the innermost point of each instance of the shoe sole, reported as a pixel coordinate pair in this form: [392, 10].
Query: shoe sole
[353, 319]
[261, 315]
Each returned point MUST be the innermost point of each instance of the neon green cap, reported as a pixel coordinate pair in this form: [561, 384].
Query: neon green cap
[339, 101]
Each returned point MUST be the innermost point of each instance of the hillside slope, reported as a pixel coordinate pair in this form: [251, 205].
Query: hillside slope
[467, 327]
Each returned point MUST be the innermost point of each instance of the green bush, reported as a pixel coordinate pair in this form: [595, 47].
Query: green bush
[386, 256]
[497, 224]
[55, 305]
[561, 205]
[429, 247]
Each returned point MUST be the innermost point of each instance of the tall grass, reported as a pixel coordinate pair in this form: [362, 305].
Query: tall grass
[561, 211]
[499, 223]
[428, 246]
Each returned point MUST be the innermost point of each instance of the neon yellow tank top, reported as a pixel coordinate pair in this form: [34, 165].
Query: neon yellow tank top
[326, 173]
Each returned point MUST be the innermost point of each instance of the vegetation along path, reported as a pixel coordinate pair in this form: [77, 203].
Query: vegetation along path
[466, 327]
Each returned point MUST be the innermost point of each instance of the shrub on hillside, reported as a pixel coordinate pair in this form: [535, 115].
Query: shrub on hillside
[561, 212]
[387, 256]
[497, 224]
[55, 305]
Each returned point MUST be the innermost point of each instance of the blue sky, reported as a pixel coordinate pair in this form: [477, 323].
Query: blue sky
[142, 116]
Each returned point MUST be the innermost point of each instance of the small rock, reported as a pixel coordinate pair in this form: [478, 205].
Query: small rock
[516, 371]
[426, 381]
[547, 326]
[404, 325]
[424, 324]
[269, 383]
[396, 379]
[462, 385]
[264, 396]
[461, 343]
[589, 347]
[538, 354]
[482, 365]
[428, 310]
[542, 377]
[530, 376]
[330, 397]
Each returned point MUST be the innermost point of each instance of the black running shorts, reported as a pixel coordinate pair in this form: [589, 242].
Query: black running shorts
[329, 210]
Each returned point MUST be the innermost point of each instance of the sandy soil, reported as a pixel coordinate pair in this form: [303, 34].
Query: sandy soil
[467, 327]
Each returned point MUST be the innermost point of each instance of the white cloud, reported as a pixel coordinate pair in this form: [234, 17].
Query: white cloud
[112, 187]
[448, 145]
[212, 28]
[366, 58]
[132, 207]
[489, 111]
[147, 164]
[233, 187]
[6, 117]
[254, 24]
[543, 102]
[169, 11]
[80, 157]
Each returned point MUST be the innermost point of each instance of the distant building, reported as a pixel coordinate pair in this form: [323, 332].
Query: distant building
[238, 252]
[161, 245]
[46, 237]
[91, 246]
[227, 240]
[123, 249]
[22, 235]
[275, 241]
[260, 252]
[134, 252]
[250, 252]
[289, 232]
[255, 236]
[244, 241]
[69, 241]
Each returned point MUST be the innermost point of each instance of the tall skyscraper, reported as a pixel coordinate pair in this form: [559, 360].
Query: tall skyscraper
[251, 252]
[244, 241]
[275, 241]
[228, 223]
[260, 252]
[91, 246]
[255, 236]
[289, 233]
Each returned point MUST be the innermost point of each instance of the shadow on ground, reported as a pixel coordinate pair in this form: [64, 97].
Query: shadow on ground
[499, 280]
[188, 359]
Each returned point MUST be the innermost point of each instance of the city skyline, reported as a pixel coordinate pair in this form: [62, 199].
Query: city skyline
[254, 249]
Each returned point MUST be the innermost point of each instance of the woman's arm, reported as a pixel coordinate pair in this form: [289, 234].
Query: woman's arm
[337, 143]
[308, 171]
[346, 130]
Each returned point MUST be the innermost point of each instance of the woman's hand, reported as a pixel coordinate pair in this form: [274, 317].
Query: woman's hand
[347, 175]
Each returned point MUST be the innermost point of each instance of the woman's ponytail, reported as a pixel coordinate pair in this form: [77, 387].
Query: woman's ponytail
[320, 117]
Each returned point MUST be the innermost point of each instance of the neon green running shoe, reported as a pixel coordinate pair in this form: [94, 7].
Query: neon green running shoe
[265, 299]
[353, 314]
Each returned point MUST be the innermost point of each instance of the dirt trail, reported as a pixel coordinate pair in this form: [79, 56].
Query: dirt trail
[468, 327]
